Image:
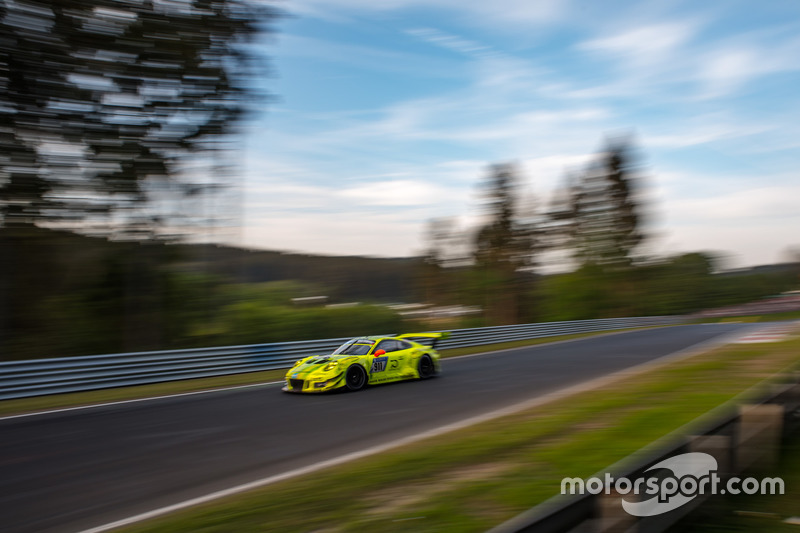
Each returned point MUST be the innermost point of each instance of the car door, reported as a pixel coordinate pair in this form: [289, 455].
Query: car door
[395, 357]
[388, 366]
[402, 359]
[379, 364]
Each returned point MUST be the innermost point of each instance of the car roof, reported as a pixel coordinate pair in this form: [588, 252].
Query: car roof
[373, 338]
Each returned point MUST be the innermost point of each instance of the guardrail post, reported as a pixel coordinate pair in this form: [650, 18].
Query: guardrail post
[791, 401]
[718, 447]
[612, 517]
[758, 436]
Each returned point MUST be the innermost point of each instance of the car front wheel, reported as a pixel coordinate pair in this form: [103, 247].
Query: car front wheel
[356, 378]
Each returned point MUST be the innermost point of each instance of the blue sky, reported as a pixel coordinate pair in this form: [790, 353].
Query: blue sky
[389, 112]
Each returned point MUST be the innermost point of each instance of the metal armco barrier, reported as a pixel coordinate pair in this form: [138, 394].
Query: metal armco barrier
[38, 377]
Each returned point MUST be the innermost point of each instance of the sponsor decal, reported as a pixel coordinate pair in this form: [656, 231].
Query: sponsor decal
[379, 364]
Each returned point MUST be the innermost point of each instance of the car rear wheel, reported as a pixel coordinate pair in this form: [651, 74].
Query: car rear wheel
[425, 367]
[356, 377]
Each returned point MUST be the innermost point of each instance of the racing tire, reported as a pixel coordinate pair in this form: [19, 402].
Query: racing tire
[355, 378]
[425, 367]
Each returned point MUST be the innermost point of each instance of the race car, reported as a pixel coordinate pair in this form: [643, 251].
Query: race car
[367, 361]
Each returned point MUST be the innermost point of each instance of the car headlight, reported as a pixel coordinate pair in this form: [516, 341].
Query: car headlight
[330, 366]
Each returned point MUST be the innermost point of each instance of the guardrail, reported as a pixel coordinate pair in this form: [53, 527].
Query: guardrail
[38, 377]
[741, 438]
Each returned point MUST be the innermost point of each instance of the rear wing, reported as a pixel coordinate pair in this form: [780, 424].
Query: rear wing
[431, 338]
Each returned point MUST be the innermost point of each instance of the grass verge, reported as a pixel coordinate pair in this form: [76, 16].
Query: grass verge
[78, 399]
[475, 478]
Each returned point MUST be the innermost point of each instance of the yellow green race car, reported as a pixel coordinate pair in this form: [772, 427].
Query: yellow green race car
[367, 361]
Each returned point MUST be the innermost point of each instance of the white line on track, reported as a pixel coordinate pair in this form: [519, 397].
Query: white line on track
[527, 404]
[137, 400]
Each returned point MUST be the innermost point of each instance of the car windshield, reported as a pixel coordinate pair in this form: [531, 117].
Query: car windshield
[354, 347]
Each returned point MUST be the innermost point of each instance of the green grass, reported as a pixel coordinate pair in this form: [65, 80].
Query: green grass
[77, 399]
[475, 478]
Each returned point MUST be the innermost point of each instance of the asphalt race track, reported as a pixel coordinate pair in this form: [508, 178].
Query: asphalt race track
[73, 470]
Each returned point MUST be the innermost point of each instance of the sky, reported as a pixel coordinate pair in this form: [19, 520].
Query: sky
[388, 113]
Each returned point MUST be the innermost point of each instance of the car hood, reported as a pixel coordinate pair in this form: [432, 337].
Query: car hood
[319, 362]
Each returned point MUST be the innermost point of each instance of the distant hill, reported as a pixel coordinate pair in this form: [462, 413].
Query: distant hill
[776, 268]
[346, 278]
[64, 294]
[47, 260]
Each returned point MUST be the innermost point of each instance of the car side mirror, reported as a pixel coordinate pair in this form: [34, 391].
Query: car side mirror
[379, 352]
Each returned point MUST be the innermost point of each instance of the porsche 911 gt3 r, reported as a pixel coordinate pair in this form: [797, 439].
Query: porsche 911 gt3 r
[366, 361]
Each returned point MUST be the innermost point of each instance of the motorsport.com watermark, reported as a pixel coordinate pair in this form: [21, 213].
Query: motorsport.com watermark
[693, 474]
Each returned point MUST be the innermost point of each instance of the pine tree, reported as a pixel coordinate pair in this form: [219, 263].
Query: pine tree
[606, 217]
[505, 248]
[103, 103]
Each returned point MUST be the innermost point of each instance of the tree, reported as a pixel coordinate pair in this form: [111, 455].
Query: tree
[606, 217]
[113, 115]
[104, 103]
[560, 221]
[505, 247]
[432, 278]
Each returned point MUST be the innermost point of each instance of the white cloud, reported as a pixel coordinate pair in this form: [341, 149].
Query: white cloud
[752, 225]
[282, 195]
[488, 112]
[727, 68]
[498, 13]
[643, 63]
[347, 233]
[548, 173]
[450, 42]
[655, 58]
[649, 46]
[703, 129]
[371, 58]
[741, 244]
[740, 207]
[394, 193]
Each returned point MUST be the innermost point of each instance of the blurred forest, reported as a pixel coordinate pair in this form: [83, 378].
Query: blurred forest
[597, 224]
[118, 128]
[80, 295]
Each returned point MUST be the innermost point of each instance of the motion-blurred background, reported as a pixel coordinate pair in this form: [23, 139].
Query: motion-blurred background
[428, 166]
